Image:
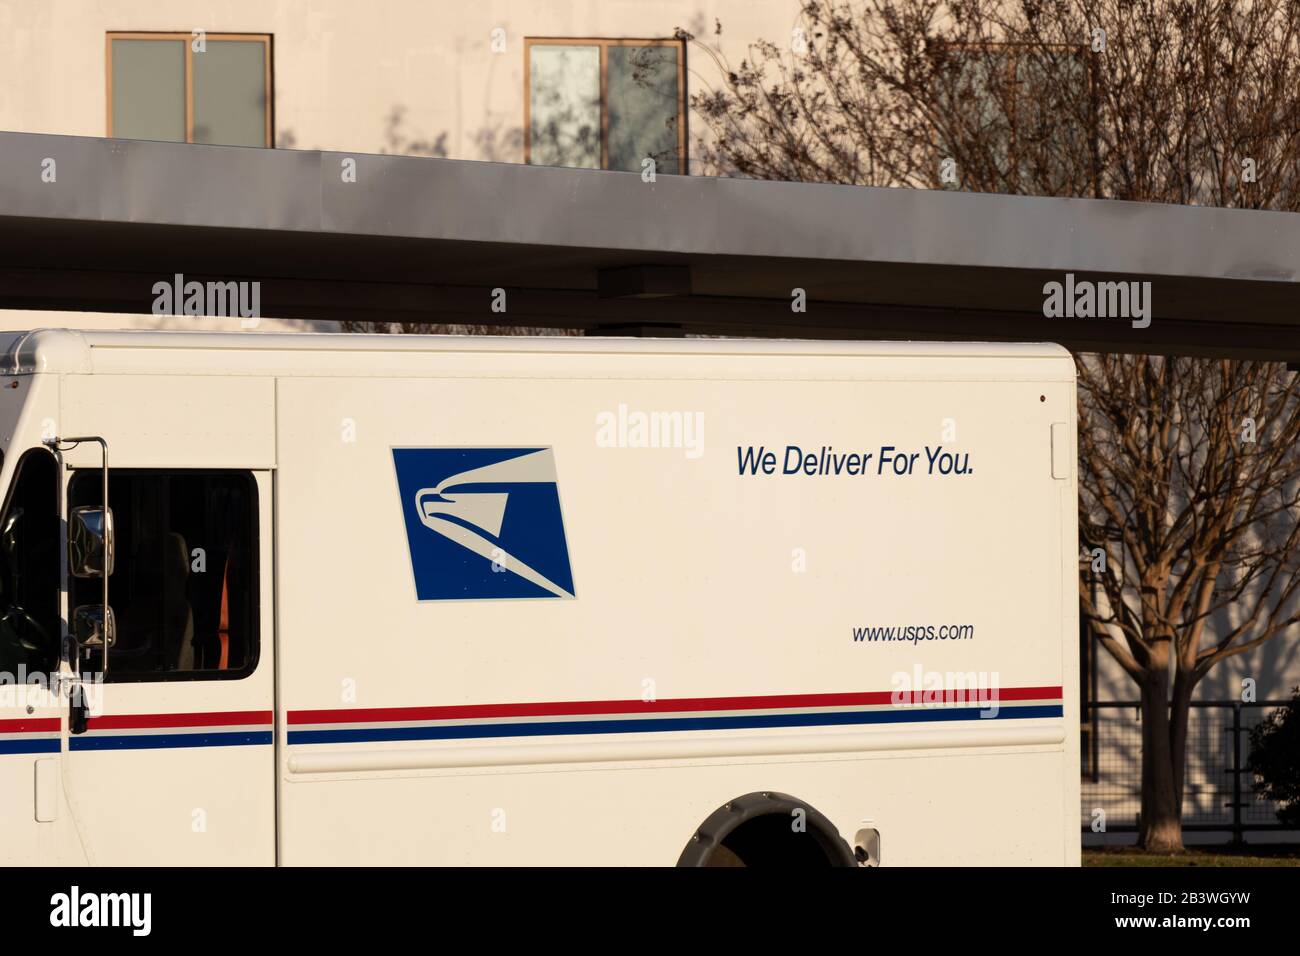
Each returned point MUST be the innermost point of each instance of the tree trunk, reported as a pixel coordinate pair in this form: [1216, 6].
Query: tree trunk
[1160, 830]
[1180, 708]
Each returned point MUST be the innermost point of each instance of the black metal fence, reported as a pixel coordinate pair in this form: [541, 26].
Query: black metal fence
[1218, 792]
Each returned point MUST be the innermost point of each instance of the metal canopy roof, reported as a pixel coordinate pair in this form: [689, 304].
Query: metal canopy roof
[416, 239]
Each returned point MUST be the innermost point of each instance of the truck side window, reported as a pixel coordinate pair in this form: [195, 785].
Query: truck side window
[29, 570]
[184, 583]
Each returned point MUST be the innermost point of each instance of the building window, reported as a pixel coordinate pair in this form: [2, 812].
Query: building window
[1018, 116]
[160, 87]
[184, 583]
[606, 104]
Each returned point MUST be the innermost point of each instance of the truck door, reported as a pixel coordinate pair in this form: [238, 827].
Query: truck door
[176, 764]
[29, 659]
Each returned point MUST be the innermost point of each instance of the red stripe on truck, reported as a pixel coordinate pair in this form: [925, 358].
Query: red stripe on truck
[29, 725]
[677, 705]
[224, 718]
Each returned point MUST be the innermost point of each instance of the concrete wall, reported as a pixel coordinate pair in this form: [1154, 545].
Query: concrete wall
[398, 76]
[1271, 670]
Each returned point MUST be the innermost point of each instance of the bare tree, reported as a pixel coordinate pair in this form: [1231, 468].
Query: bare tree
[1150, 100]
[1193, 102]
[1188, 493]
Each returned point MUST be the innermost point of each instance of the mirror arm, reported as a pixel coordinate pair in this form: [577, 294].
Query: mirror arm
[66, 444]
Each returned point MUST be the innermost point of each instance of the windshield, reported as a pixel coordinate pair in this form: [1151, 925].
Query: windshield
[29, 570]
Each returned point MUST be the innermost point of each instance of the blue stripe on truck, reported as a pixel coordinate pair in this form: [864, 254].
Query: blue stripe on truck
[650, 724]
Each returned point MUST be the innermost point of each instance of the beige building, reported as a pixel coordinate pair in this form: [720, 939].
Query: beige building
[587, 83]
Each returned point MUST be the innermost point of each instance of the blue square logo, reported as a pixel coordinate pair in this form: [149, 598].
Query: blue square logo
[483, 523]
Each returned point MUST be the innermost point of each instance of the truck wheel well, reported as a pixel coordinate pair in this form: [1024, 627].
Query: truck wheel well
[766, 829]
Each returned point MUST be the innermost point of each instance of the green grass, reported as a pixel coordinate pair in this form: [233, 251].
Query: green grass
[1260, 855]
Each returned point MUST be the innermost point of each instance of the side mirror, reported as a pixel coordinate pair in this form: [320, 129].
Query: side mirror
[88, 627]
[90, 541]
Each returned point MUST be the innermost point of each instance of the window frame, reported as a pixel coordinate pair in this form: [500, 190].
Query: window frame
[268, 96]
[604, 44]
[254, 569]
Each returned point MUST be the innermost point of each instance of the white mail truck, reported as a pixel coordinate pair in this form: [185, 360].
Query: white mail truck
[295, 599]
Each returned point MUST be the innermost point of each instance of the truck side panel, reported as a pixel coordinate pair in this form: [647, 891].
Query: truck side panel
[708, 647]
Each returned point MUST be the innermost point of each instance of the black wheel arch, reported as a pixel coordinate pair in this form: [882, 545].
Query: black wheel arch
[731, 819]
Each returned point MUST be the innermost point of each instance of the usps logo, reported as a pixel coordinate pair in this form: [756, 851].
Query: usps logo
[483, 523]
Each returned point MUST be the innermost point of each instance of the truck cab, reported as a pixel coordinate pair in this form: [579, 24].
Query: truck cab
[179, 768]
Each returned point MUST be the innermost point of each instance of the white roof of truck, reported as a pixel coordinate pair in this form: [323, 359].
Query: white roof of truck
[261, 353]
